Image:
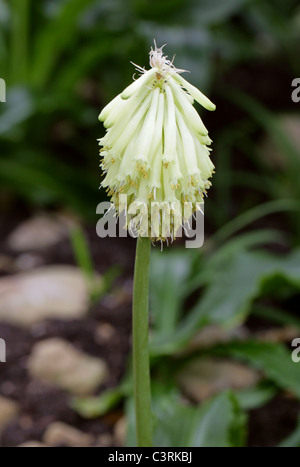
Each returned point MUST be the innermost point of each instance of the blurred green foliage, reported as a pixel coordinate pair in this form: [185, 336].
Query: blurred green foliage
[65, 59]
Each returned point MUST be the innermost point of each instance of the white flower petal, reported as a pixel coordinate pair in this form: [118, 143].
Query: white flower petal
[169, 127]
[190, 114]
[188, 145]
[137, 84]
[195, 93]
[147, 133]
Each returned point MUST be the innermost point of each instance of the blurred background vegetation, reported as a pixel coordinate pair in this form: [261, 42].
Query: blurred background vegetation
[63, 60]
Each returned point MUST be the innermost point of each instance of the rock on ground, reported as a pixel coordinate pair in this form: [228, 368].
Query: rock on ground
[8, 411]
[39, 232]
[32, 444]
[61, 434]
[204, 377]
[60, 292]
[59, 363]
[120, 431]
[214, 334]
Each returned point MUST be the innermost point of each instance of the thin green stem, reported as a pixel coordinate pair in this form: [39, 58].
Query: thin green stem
[19, 41]
[140, 325]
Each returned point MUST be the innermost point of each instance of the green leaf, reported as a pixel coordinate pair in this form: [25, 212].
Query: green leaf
[254, 214]
[217, 423]
[232, 247]
[84, 260]
[54, 38]
[93, 407]
[168, 284]
[18, 108]
[214, 11]
[293, 440]
[266, 120]
[255, 396]
[276, 315]
[35, 181]
[228, 299]
[19, 50]
[82, 252]
[273, 359]
[86, 60]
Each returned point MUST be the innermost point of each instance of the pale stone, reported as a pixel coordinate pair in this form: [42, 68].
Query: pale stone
[105, 440]
[284, 334]
[32, 444]
[39, 232]
[28, 261]
[61, 434]
[204, 377]
[214, 334]
[120, 431]
[6, 264]
[59, 363]
[8, 411]
[60, 292]
[104, 332]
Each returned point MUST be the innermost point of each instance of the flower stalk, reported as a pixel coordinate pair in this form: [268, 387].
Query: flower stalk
[140, 326]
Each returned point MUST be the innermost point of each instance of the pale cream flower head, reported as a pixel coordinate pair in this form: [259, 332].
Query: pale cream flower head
[156, 149]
